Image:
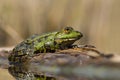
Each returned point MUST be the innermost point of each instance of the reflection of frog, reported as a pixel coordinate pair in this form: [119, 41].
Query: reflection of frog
[22, 72]
[44, 43]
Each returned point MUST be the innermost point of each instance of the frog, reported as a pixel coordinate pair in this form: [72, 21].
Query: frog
[48, 42]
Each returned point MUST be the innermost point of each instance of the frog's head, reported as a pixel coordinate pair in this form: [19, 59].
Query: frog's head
[67, 36]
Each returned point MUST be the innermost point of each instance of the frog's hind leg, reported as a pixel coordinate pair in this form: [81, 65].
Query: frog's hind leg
[44, 50]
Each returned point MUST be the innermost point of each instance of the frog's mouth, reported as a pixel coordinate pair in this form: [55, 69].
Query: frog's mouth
[66, 40]
[70, 39]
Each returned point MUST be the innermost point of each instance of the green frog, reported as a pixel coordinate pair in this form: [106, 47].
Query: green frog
[49, 42]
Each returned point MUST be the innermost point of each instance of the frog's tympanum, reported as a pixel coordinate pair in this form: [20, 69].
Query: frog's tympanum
[49, 42]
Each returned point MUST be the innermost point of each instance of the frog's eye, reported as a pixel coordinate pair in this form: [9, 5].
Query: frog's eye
[68, 30]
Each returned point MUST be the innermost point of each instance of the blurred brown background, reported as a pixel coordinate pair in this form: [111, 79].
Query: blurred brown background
[98, 20]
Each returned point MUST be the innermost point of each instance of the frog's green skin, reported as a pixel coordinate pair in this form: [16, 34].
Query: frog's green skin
[49, 42]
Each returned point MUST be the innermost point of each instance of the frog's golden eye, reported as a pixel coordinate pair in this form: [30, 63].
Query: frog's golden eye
[68, 30]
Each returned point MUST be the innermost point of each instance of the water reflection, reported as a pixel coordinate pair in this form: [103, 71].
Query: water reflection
[40, 72]
[23, 72]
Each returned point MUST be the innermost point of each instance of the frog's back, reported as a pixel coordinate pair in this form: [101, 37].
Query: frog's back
[22, 49]
[25, 46]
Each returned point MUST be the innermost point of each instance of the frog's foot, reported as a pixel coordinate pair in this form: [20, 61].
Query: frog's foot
[86, 46]
[83, 46]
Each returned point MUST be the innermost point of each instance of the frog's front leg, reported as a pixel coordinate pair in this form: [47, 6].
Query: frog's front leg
[50, 46]
[40, 47]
